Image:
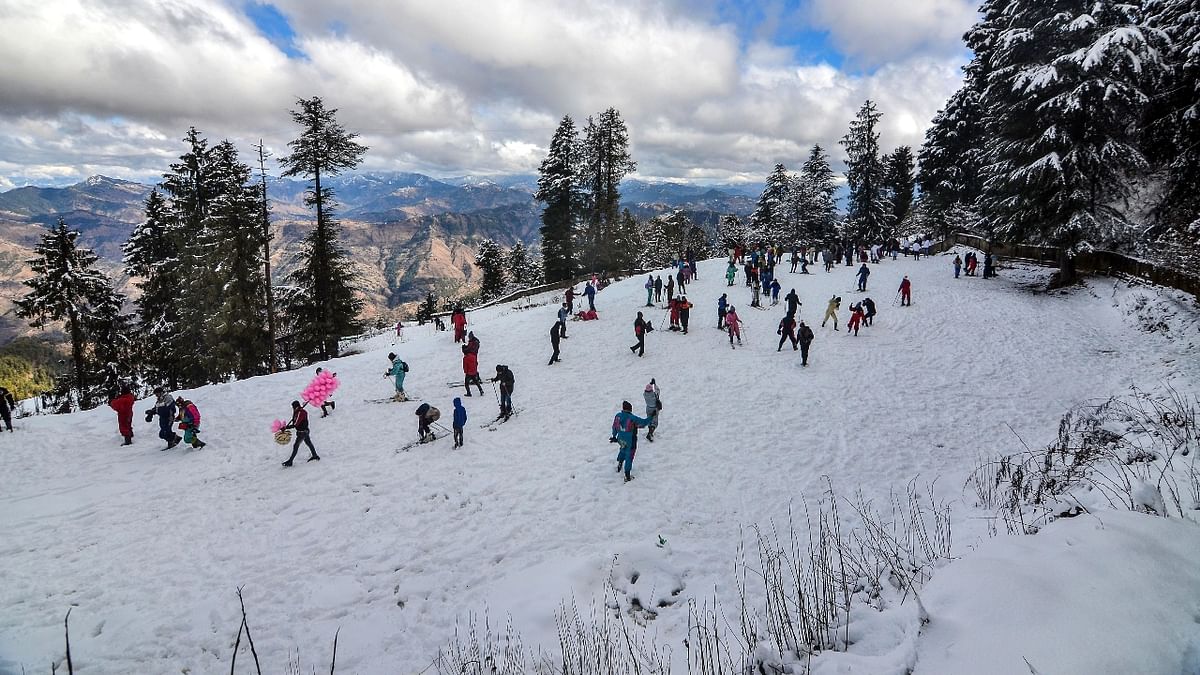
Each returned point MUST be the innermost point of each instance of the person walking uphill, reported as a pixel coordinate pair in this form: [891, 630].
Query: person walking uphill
[164, 408]
[653, 406]
[792, 301]
[639, 331]
[299, 422]
[624, 433]
[459, 319]
[189, 421]
[805, 338]
[460, 422]
[505, 377]
[905, 292]
[863, 273]
[398, 370]
[555, 336]
[123, 404]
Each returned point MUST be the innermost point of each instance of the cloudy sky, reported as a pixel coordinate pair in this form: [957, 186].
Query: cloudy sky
[712, 90]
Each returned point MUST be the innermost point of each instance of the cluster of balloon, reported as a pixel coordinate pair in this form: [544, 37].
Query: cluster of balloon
[321, 388]
[277, 426]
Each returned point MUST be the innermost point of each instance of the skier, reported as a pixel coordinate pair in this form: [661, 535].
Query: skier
[398, 370]
[730, 273]
[734, 325]
[505, 377]
[685, 312]
[471, 371]
[856, 316]
[835, 303]
[787, 331]
[805, 337]
[905, 292]
[957, 265]
[555, 335]
[722, 307]
[459, 319]
[658, 288]
[7, 405]
[755, 292]
[650, 290]
[564, 313]
[639, 331]
[399, 331]
[653, 406]
[793, 302]
[775, 288]
[590, 292]
[164, 408]
[426, 416]
[863, 273]
[300, 424]
[189, 421]
[673, 310]
[624, 432]
[460, 421]
[329, 403]
[868, 305]
[123, 404]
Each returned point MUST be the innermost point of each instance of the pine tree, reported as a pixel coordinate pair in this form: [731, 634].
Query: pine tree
[867, 212]
[67, 287]
[1173, 118]
[521, 268]
[559, 189]
[606, 160]
[428, 308]
[731, 233]
[327, 308]
[769, 223]
[949, 173]
[899, 185]
[819, 216]
[490, 261]
[152, 256]
[1065, 85]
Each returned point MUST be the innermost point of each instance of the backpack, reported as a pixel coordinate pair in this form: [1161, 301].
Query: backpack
[659, 399]
[404, 366]
[433, 415]
[507, 378]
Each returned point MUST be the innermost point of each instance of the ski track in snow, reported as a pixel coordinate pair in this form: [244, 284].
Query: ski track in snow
[149, 547]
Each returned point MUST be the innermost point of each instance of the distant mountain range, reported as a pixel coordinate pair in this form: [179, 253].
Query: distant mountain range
[408, 232]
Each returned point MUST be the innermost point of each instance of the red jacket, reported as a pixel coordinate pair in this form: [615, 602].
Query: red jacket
[470, 364]
[458, 319]
[123, 404]
[905, 285]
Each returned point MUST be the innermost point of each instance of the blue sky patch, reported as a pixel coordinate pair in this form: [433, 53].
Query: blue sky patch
[274, 26]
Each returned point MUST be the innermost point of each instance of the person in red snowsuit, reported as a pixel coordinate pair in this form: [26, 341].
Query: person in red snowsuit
[856, 317]
[471, 371]
[459, 319]
[123, 404]
[906, 292]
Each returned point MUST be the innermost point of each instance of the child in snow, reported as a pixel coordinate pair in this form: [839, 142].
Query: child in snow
[299, 422]
[460, 421]
[722, 308]
[685, 312]
[856, 316]
[957, 265]
[624, 432]
[123, 404]
[398, 370]
[775, 287]
[329, 403]
[426, 416]
[730, 273]
[734, 325]
[164, 408]
[835, 303]
[189, 421]
[905, 292]
[653, 406]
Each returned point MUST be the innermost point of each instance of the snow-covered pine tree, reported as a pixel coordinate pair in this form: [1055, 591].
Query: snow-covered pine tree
[629, 243]
[521, 268]
[606, 160]
[731, 234]
[949, 173]
[770, 221]
[489, 258]
[428, 308]
[1066, 82]
[326, 308]
[867, 212]
[820, 217]
[899, 186]
[559, 189]
[152, 258]
[67, 287]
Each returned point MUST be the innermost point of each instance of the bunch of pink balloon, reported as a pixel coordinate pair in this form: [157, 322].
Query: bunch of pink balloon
[321, 388]
[277, 425]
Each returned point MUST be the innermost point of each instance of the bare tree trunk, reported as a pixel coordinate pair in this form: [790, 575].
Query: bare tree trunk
[266, 224]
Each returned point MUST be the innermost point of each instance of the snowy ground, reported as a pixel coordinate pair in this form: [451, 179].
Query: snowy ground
[149, 547]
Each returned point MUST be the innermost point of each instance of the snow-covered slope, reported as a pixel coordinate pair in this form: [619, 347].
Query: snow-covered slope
[149, 547]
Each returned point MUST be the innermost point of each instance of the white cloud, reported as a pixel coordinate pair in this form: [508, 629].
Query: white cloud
[874, 32]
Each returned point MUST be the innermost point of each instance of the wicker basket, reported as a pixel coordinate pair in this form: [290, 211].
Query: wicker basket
[283, 436]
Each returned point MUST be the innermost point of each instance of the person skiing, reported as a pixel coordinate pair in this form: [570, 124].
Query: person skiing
[470, 364]
[590, 292]
[505, 377]
[399, 330]
[734, 326]
[673, 313]
[835, 303]
[722, 308]
[775, 288]
[555, 336]
[905, 292]
[189, 421]
[658, 288]
[329, 403]
[685, 312]
[426, 416]
[564, 313]
[805, 338]
[869, 307]
[856, 316]
[459, 319]
[7, 405]
[863, 273]
[459, 423]
[624, 432]
[650, 290]
[164, 408]
[730, 273]
[123, 405]
[397, 371]
[957, 265]
[569, 297]
[653, 406]
[639, 331]
[792, 301]
[787, 331]
[299, 422]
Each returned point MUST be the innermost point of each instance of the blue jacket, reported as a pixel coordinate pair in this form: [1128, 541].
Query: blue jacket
[589, 291]
[166, 414]
[722, 304]
[460, 413]
[625, 426]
